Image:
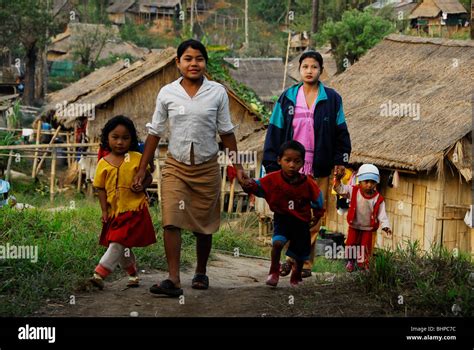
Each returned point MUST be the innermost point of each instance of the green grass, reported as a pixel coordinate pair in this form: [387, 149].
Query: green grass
[68, 248]
[68, 251]
[321, 264]
[423, 283]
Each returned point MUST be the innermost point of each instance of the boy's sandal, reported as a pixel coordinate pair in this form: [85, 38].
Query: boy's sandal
[285, 269]
[305, 273]
[133, 282]
[166, 287]
[97, 281]
[200, 281]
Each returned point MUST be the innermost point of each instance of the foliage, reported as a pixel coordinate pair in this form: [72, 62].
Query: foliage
[26, 27]
[93, 11]
[351, 37]
[68, 248]
[430, 282]
[271, 11]
[139, 35]
[88, 45]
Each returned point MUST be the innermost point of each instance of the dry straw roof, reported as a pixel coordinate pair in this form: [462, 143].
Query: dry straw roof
[435, 75]
[104, 84]
[120, 6]
[432, 8]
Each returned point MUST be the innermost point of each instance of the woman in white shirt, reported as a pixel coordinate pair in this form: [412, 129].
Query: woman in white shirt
[196, 109]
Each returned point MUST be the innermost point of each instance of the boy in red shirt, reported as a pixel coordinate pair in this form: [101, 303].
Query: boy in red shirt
[293, 197]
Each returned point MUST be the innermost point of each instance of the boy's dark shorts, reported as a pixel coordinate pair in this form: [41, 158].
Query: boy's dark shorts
[288, 228]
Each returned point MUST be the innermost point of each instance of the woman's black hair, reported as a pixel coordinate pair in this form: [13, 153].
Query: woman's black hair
[112, 124]
[312, 54]
[195, 44]
[294, 145]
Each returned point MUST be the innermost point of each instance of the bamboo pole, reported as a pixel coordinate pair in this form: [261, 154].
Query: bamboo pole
[46, 153]
[231, 196]
[35, 161]
[286, 59]
[43, 132]
[9, 166]
[69, 160]
[239, 204]
[53, 176]
[79, 178]
[50, 157]
[43, 146]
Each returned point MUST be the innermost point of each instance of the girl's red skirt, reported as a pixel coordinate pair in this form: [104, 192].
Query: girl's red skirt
[131, 229]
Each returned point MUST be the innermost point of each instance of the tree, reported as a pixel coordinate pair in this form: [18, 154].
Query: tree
[271, 11]
[26, 23]
[351, 37]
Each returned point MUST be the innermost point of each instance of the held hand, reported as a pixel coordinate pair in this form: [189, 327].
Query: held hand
[138, 179]
[104, 217]
[137, 188]
[387, 231]
[339, 171]
[241, 176]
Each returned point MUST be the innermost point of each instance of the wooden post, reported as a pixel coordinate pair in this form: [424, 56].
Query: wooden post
[45, 153]
[231, 196]
[53, 176]
[35, 161]
[286, 60]
[9, 166]
[239, 203]
[69, 155]
[246, 24]
[79, 178]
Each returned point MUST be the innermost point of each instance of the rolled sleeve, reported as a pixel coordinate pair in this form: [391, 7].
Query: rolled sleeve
[224, 122]
[157, 127]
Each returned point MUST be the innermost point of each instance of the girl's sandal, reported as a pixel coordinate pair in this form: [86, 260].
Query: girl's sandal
[133, 282]
[285, 269]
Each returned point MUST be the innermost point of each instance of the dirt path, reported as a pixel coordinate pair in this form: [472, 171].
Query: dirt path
[237, 288]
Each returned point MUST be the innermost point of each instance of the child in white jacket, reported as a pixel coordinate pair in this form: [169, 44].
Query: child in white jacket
[366, 214]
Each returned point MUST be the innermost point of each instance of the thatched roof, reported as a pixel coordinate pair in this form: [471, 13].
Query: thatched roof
[262, 75]
[434, 74]
[433, 8]
[64, 43]
[160, 3]
[120, 6]
[102, 85]
[58, 6]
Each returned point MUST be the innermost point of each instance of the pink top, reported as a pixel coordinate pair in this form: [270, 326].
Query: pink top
[303, 130]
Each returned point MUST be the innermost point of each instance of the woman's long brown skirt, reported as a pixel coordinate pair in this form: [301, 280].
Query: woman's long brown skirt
[190, 195]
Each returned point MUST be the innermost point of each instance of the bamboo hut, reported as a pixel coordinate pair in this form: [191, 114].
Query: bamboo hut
[432, 15]
[430, 151]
